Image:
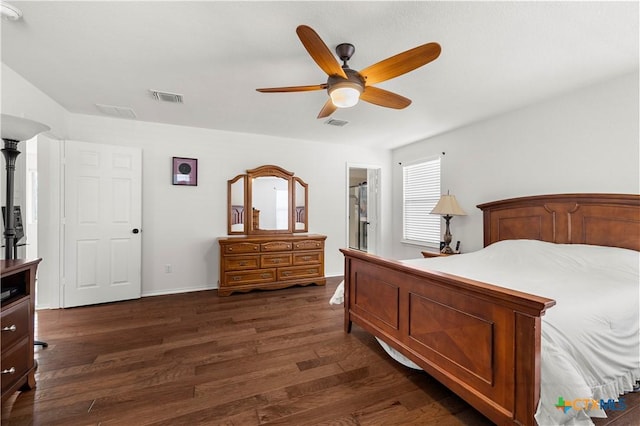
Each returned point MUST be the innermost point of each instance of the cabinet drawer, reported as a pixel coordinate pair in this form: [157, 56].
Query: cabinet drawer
[276, 246]
[308, 245]
[15, 323]
[241, 248]
[239, 263]
[297, 272]
[250, 277]
[307, 258]
[273, 260]
[16, 359]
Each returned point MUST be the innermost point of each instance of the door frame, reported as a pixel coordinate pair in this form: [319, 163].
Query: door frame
[373, 196]
[48, 284]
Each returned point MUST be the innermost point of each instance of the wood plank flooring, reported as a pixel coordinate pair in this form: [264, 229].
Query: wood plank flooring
[261, 358]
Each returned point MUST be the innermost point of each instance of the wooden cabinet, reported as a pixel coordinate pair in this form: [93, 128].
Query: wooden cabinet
[270, 262]
[18, 307]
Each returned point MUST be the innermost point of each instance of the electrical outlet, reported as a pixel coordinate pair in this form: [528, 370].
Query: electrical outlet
[168, 268]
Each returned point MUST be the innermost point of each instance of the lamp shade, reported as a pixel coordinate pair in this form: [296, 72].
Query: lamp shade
[448, 205]
[20, 129]
[9, 11]
[345, 94]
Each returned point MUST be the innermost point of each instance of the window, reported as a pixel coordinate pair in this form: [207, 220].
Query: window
[420, 194]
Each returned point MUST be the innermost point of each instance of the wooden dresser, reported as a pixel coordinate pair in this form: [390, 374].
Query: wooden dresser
[17, 280]
[270, 262]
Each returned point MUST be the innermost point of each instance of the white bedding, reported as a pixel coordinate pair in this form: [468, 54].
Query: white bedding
[590, 339]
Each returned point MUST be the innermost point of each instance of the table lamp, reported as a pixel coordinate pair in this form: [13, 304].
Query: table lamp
[448, 207]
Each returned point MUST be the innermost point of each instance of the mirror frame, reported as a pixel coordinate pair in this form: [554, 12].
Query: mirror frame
[294, 207]
[233, 210]
[248, 219]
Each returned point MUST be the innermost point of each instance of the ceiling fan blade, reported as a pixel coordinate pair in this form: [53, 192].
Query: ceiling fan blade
[293, 88]
[327, 109]
[381, 97]
[319, 51]
[401, 63]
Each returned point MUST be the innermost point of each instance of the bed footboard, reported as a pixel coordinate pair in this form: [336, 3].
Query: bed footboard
[479, 340]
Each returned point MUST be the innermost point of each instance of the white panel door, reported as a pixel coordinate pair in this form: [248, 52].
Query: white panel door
[102, 220]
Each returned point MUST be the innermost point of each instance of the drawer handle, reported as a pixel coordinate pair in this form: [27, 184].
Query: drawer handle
[243, 263]
[236, 278]
[9, 371]
[255, 248]
[311, 271]
[230, 248]
[286, 273]
[12, 327]
[265, 275]
[306, 257]
[275, 260]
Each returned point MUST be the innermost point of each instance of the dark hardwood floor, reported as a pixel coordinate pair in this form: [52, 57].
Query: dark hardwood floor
[278, 357]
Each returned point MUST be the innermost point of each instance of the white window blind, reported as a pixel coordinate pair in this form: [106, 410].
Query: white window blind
[421, 192]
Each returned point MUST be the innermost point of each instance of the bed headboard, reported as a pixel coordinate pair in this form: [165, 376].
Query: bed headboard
[237, 215]
[598, 219]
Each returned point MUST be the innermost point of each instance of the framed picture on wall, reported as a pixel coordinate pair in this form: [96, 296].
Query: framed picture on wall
[185, 171]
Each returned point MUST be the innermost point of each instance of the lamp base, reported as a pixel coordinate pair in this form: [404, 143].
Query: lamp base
[10, 153]
[447, 250]
[447, 236]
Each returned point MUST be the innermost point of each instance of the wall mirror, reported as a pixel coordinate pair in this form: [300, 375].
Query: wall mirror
[267, 200]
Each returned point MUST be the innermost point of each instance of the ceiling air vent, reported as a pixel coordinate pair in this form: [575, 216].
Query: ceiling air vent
[334, 122]
[167, 97]
[116, 111]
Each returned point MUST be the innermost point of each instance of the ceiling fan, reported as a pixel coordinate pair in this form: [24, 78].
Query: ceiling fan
[345, 86]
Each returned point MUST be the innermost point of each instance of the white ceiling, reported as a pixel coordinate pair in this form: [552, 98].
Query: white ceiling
[496, 56]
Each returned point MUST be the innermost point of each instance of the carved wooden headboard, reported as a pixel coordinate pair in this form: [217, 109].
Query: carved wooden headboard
[237, 214]
[598, 219]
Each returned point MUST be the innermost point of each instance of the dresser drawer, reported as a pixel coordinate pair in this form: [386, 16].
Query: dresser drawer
[276, 246]
[270, 262]
[275, 260]
[14, 363]
[299, 272]
[307, 258]
[239, 263]
[239, 248]
[15, 323]
[250, 277]
[308, 245]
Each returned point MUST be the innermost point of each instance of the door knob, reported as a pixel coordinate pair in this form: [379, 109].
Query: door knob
[135, 230]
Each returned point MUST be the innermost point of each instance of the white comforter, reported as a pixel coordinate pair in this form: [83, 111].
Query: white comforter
[590, 339]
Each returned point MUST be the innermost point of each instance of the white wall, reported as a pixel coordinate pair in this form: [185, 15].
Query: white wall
[181, 224]
[583, 141]
[23, 99]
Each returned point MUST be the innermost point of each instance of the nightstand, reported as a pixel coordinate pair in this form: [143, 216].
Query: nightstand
[435, 253]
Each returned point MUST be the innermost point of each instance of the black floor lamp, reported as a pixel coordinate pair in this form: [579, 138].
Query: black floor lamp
[14, 130]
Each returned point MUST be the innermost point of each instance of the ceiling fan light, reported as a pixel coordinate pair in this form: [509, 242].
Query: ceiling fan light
[9, 11]
[345, 95]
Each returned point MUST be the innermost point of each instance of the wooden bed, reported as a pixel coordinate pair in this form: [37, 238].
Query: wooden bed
[488, 350]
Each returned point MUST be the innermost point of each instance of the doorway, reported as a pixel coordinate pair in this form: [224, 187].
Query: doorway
[362, 207]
